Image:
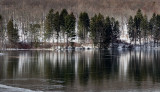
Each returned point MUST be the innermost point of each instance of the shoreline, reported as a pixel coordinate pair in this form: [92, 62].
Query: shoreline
[50, 49]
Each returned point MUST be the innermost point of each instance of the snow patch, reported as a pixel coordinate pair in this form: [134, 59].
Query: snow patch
[124, 36]
[1, 54]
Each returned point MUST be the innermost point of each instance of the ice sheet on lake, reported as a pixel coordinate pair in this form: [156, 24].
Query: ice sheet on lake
[4, 88]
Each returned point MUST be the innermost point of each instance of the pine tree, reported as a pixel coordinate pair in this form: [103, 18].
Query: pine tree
[144, 28]
[115, 30]
[12, 32]
[2, 35]
[63, 14]
[131, 29]
[83, 26]
[157, 33]
[137, 21]
[34, 33]
[153, 27]
[100, 29]
[70, 21]
[97, 29]
[93, 31]
[49, 25]
[107, 32]
[56, 25]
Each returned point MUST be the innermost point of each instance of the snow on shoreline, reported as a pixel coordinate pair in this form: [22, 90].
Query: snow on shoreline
[5, 88]
[120, 47]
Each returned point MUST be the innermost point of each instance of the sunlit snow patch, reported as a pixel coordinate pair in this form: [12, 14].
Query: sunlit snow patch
[124, 33]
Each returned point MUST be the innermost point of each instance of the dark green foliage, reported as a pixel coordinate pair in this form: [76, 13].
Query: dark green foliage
[70, 21]
[115, 30]
[56, 25]
[12, 32]
[131, 29]
[83, 26]
[1, 29]
[155, 21]
[102, 30]
[34, 32]
[137, 22]
[138, 18]
[137, 27]
[56, 22]
[96, 28]
[141, 28]
[144, 27]
[63, 14]
[49, 26]
[152, 24]
[93, 29]
[153, 28]
[107, 32]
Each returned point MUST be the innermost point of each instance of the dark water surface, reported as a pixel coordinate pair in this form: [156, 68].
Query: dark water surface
[79, 71]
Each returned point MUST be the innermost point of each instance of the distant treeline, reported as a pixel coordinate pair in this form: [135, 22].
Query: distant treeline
[141, 29]
[60, 27]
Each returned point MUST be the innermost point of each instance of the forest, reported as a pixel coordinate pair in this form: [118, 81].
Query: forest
[63, 29]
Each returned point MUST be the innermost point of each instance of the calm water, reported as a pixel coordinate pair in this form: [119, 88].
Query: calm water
[78, 71]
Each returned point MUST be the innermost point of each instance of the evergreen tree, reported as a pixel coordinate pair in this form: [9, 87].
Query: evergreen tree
[2, 35]
[157, 33]
[63, 14]
[137, 21]
[97, 29]
[93, 31]
[115, 30]
[131, 29]
[49, 25]
[107, 35]
[144, 28]
[153, 27]
[70, 21]
[12, 32]
[100, 29]
[34, 33]
[56, 25]
[83, 26]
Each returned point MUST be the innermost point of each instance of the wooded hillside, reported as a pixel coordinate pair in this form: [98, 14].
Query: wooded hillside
[115, 8]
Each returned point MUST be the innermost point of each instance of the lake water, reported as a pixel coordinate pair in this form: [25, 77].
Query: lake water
[80, 71]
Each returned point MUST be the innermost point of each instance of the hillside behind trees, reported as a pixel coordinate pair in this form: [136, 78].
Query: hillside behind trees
[116, 8]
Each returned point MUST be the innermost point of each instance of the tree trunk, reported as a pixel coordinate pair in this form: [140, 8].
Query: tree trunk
[135, 38]
[135, 41]
[67, 40]
[154, 42]
[140, 42]
[57, 40]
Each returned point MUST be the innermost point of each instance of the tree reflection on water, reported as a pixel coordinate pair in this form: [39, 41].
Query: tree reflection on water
[85, 70]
